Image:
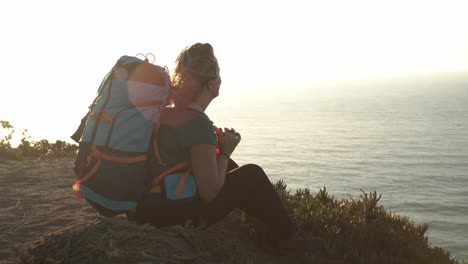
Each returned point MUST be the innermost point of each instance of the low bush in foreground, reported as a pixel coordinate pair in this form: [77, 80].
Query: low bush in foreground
[358, 230]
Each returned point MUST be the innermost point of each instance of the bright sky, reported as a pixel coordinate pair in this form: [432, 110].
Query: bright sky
[55, 53]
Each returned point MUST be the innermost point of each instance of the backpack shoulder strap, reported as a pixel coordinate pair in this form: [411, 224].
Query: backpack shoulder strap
[155, 145]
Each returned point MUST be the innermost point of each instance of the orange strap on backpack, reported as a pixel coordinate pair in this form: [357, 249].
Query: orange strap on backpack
[98, 156]
[155, 185]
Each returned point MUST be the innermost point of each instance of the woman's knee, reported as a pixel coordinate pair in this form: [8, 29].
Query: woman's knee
[254, 168]
[255, 173]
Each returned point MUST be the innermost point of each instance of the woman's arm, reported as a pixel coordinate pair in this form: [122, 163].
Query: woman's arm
[209, 170]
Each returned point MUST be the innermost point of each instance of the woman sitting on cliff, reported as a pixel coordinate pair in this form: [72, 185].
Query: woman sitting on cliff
[186, 133]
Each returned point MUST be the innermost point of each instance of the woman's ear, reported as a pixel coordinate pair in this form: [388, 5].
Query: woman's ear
[211, 85]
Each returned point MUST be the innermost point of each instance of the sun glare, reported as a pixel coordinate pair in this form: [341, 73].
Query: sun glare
[53, 59]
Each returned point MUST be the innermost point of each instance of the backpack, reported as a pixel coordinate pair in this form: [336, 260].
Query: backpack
[117, 140]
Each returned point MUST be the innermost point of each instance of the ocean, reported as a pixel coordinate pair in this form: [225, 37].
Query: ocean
[407, 140]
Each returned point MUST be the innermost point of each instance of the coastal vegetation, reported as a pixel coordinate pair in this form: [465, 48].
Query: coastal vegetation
[355, 230]
[360, 230]
[29, 148]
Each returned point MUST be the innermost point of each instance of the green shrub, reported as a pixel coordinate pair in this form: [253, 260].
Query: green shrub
[6, 134]
[31, 149]
[356, 230]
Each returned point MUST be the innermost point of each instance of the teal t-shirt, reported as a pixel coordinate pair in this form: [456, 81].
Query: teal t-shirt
[174, 142]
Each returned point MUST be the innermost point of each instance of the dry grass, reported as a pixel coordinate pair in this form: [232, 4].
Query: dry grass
[114, 240]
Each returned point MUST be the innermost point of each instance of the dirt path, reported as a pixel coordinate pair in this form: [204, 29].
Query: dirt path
[35, 199]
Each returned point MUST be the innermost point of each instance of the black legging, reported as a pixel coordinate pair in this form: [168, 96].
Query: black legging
[247, 188]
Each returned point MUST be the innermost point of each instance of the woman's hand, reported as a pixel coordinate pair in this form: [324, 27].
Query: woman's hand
[229, 141]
